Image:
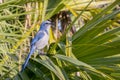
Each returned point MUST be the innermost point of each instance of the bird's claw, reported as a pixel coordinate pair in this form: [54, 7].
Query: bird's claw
[42, 54]
[45, 54]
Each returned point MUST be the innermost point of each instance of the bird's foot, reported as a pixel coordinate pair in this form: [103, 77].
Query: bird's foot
[42, 53]
[45, 54]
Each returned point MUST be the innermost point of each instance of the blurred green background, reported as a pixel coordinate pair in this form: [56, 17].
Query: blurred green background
[91, 52]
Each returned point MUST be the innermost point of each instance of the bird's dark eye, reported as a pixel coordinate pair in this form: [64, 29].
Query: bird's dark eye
[47, 23]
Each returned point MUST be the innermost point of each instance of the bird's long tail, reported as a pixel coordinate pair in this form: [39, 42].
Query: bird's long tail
[28, 57]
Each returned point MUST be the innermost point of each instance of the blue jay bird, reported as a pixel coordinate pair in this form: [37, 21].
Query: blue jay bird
[39, 41]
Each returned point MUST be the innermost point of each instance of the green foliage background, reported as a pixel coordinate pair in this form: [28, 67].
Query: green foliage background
[92, 53]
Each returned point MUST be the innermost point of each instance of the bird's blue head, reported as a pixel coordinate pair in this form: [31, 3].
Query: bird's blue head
[45, 25]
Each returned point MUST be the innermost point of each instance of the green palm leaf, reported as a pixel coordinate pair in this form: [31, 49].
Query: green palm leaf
[93, 50]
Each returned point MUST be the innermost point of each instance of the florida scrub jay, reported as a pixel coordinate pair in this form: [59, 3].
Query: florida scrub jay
[39, 41]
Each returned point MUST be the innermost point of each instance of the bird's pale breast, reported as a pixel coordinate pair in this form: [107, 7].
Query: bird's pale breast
[41, 43]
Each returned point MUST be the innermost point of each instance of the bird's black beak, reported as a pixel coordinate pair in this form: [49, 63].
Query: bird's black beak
[53, 24]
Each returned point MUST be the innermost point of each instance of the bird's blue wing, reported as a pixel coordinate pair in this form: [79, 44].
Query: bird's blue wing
[38, 36]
